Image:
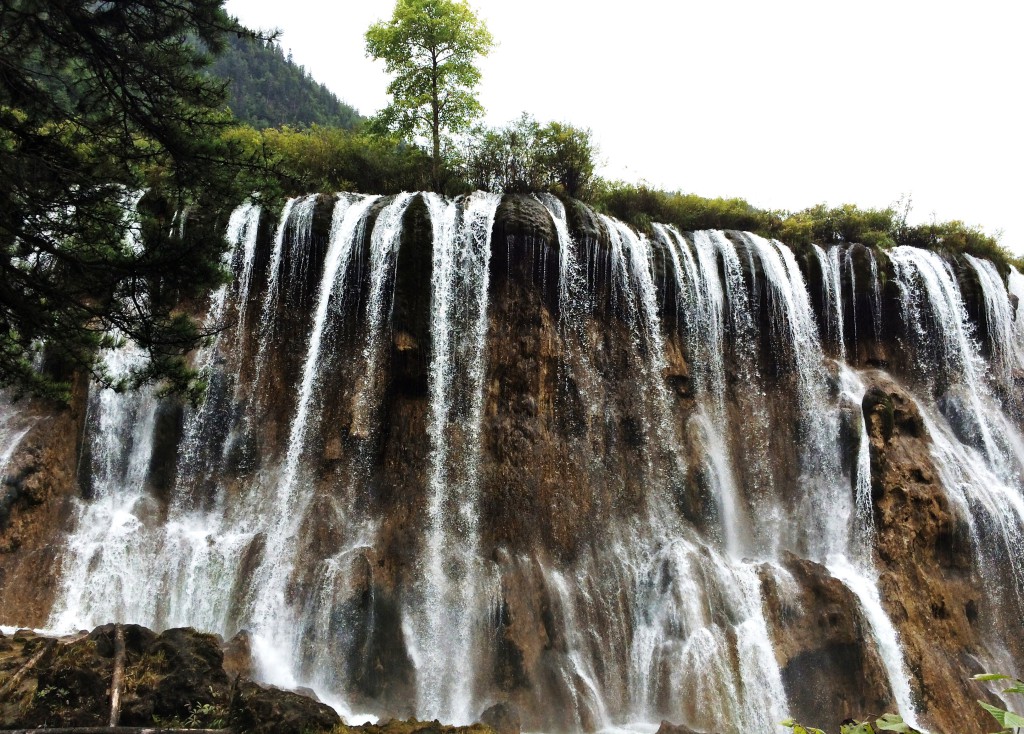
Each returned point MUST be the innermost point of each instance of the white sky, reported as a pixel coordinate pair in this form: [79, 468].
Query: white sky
[786, 103]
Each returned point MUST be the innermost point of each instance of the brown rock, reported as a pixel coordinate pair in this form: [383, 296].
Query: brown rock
[41, 477]
[503, 718]
[668, 727]
[263, 710]
[830, 668]
[927, 586]
[238, 656]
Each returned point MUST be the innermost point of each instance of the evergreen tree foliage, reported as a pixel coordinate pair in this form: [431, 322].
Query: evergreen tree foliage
[267, 89]
[104, 105]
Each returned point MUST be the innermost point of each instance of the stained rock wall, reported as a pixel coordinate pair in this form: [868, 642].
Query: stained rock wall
[642, 518]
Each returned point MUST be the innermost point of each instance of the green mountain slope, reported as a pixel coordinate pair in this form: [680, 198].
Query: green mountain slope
[267, 89]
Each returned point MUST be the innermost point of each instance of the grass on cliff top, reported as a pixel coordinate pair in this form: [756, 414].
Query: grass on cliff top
[329, 159]
[640, 205]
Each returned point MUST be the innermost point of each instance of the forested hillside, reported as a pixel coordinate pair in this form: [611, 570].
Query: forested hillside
[267, 89]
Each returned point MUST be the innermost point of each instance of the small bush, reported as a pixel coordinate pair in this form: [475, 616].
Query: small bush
[525, 157]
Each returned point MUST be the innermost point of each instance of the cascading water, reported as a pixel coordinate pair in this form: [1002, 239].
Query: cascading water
[655, 667]
[387, 234]
[831, 271]
[661, 611]
[1007, 358]
[865, 588]
[824, 506]
[320, 636]
[13, 429]
[634, 289]
[302, 211]
[196, 462]
[444, 622]
[949, 355]
[106, 575]
[290, 500]
[700, 306]
[976, 447]
[828, 509]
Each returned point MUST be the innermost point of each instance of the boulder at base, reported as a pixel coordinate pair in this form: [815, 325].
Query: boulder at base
[174, 679]
[503, 718]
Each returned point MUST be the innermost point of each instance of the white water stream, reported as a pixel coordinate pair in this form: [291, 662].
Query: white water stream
[659, 618]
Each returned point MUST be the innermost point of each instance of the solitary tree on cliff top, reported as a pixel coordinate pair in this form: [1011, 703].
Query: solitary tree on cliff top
[431, 47]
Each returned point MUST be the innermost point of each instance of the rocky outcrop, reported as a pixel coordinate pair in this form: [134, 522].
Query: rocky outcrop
[174, 679]
[413, 726]
[830, 669]
[261, 710]
[929, 585]
[503, 718]
[670, 728]
[39, 482]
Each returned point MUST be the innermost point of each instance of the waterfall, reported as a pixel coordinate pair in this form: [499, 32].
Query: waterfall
[876, 296]
[443, 626]
[700, 306]
[338, 506]
[301, 210]
[738, 345]
[13, 428]
[851, 278]
[1007, 352]
[107, 574]
[865, 588]
[384, 242]
[195, 456]
[855, 569]
[852, 390]
[319, 636]
[290, 500]
[832, 293]
[634, 289]
[825, 505]
[949, 356]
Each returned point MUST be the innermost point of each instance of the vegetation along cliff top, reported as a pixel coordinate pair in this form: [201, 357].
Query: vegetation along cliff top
[177, 99]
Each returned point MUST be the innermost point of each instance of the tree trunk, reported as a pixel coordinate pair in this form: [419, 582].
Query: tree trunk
[15, 680]
[117, 681]
[435, 108]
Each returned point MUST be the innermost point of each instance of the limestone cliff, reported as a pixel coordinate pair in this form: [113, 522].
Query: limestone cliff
[460, 453]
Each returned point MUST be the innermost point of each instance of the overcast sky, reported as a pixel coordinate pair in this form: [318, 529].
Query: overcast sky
[784, 103]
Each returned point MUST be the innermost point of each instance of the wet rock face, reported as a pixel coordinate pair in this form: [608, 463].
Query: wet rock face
[34, 494]
[571, 454]
[929, 587]
[829, 668]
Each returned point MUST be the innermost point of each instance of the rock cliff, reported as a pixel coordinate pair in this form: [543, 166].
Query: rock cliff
[506, 451]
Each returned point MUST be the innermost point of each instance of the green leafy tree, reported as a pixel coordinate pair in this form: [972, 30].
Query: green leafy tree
[101, 102]
[567, 155]
[431, 47]
[506, 159]
[524, 156]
